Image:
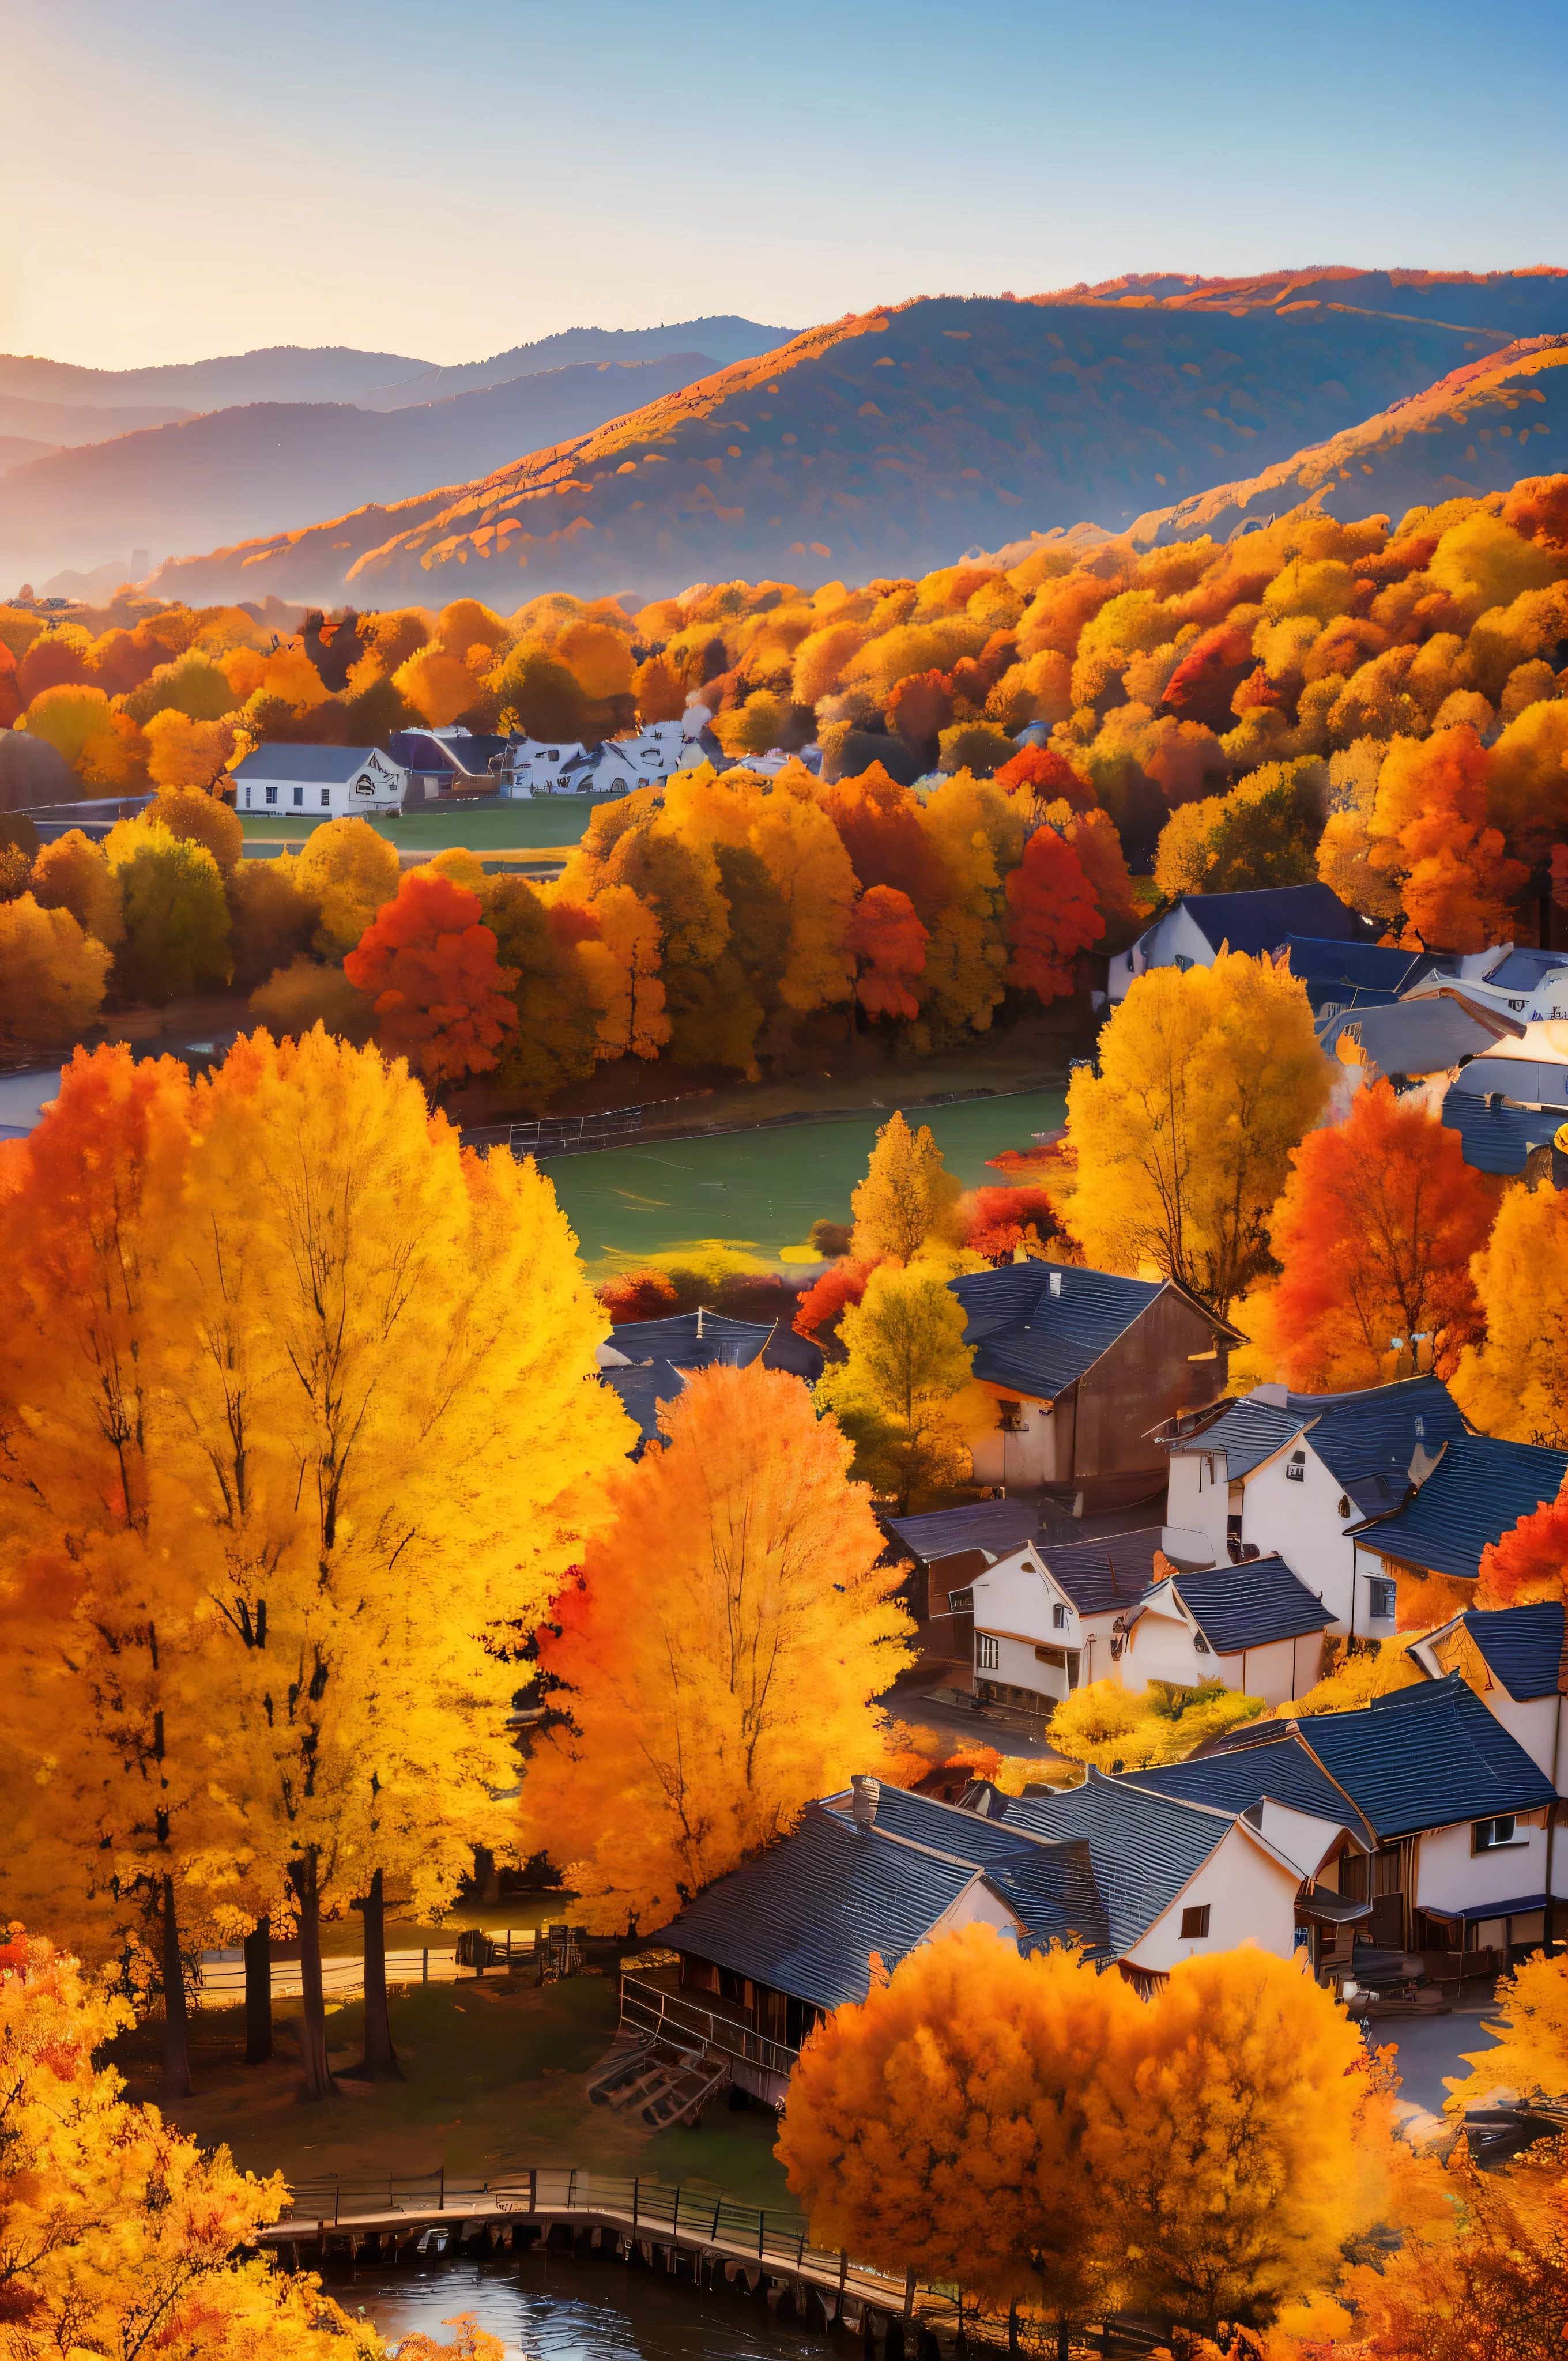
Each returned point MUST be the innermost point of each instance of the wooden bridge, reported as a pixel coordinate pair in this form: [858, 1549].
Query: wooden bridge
[693, 2234]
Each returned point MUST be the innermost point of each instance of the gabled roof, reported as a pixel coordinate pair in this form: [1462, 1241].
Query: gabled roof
[1521, 1646]
[806, 1917]
[1358, 1436]
[1278, 1766]
[1496, 1138]
[1479, 1489]
[1104, 1577]
[1260, 921]
[1049, 1885]
[704, 1340]
[469, 755]
[1523, 970]
[330, 764]
[1378, 968]
[1417, 1037]
[1246, 1606]
[641, 1390]
[1039, 1341]
[1425, 1758]
[995, 1526]
[1250, 1431]
[1144, 1847]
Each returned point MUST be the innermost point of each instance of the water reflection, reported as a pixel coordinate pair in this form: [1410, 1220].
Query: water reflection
[556, 2309]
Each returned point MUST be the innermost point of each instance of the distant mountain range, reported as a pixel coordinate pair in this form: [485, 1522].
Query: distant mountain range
[883, 442]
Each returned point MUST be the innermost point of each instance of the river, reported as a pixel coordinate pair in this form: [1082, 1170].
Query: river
[762, 1190]
[558, 2309]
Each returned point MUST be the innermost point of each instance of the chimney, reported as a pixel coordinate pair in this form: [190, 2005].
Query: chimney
[866, 1793]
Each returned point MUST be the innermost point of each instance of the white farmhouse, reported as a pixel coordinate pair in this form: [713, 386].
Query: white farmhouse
[1514, 1658]
[320, 782]
[1047, 1616]
[1255, 1627]
[1195, 928]
[1296, 1473]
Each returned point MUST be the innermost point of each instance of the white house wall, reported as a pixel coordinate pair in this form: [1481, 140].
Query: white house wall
[977, 1906]
[1161, 1650]
[1450, 1875]
[1304, 1838]
[1018, 1665]
[1301, 1521]
[1536, 1722]
[1251, 1898]
[1198, 1497]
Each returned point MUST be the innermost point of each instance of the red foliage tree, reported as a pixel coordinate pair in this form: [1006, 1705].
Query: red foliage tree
[637, 1295]
[997, 1220]
[10, 695]
[1040, 776]
[889, 944]
[1052, 914]
[1202, 687]
[431, 968]
[1528, 1563]
[919, 710]
[841, 1284]
[879, 826]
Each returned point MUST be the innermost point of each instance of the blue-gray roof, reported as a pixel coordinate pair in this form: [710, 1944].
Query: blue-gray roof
[1415, 1036]
[997, 1526]
[1260, 921]
[641, 1390]
[1358, 1436]
[275, 761]
[1247, 1606]
[1049, 1885]
[1522, 971]
[1426, 1758]
[1334, 969]
[1496, 1138]
[1278, 1766]
[1522, 1645]
[706, 1340]
[1144, 1847]
[1248, 1432]
[806, 1917]
[1105, 1576]
[1531, 1082]
[1479, 1489]
[1028, 1338]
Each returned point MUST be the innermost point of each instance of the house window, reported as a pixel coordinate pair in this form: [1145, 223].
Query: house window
[247, 799]
[1195, 1923]
[960, 1602]
[1297, 1471]
[1380, 1596]
[298, 798]
[1493, 1836]
[987, 1653]
[1182, 961]
[1010, 1417]
[363, 786]
[1058, 1618]
[326, 799]
[1199, 1643]
[271, 795]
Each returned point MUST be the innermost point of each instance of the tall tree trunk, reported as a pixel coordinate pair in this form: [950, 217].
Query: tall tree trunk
[380, 2058]
[318, 2083]
[1063, 2342]
[176, 2019]
[258, 1994]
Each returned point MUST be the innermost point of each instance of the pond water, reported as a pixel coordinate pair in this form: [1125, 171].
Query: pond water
[556, 2309]
[762, 1190]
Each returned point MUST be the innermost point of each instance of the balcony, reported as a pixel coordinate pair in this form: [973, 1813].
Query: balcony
[655, 2010]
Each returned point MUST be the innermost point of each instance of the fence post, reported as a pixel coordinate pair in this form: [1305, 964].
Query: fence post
[716, 2210]
[442, 2206]
[425, 1977]
[676, 2216]
[762, 2232]
[337, 2200]
[634, 2201]
[909, 2293]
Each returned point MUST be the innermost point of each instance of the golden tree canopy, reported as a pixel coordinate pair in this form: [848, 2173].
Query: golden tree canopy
[908, 1198]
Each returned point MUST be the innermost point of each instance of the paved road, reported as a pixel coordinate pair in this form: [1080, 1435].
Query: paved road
[1431, 2047]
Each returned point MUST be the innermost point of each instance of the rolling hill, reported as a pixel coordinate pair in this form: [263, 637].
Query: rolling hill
[230, 471]
[883, 442]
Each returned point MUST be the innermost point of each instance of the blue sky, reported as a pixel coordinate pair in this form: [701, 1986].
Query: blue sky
[449, 179]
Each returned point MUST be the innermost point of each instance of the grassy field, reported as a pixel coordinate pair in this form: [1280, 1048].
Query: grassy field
[495, 2081]
[554, 822]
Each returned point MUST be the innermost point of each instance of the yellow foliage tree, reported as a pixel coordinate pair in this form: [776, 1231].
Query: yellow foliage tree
[1118, 1729]
[906, 1203]
[1207, 1080]
[188, 812]
[1530, 2056]
[1516, 1381]
[70, 718]
[51, 975]
[437, 683]
[1376, 1669]
[349, 872]
[897, 1393]
[186, 754]
[121, 2235]
[72, 874]
[296, 998]
[719, 1653]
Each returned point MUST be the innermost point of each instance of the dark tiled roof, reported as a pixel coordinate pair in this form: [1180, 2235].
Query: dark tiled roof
[1278, 1766]
[1534, 1081]
[1426, 1758]
[468, 756]
[1248, 1433]
[709, 1340]
[1050, 1885]
[1496, 1139]
[806, 1915]
[1144, 1847]
[641, 1390]
[1415, 1036]
[307, 762]
[1356, 1435]
[1522, 1645]
[997, 1526]
[1478, 1491]
[1377, 968]
[1247, 1606]
[1521, 970]
[1028, 1338]
[1260, 921]
[1105, 1576]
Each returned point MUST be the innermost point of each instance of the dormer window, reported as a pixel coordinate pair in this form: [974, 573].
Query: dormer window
[1297, 1471]
[1056, 1282]
[1200, 1646]
[1420, 1426]
[1058, 1618]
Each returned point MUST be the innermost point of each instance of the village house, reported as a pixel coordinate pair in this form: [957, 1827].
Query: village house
[1298, 1474]
[1341, 977]
[1047, 1616]
[1513, 1658]
[1422, 1045]
[645, 1362]
[948, 1548]
[1461, 1814]
[1255, 1627]
[1083, 1366]
[449, 764]
[320, 782]
[1426, 1548]
[1517, 980]
[614, 767]
[1195, 928]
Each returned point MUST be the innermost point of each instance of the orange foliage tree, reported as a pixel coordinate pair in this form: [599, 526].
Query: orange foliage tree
[1529, 1562]
[1375, 1233]
[720, 1652]
[1430, 836]
[842, 1284]
[431, 968]
[1051, 915]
